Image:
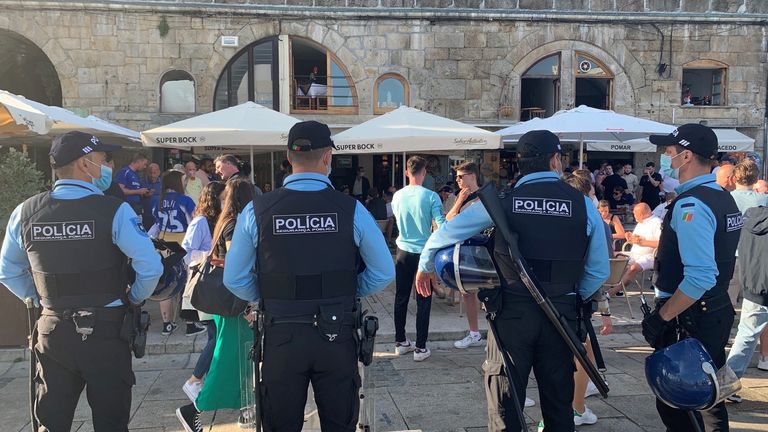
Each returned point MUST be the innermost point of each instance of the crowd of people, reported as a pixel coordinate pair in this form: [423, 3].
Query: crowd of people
[209, 208]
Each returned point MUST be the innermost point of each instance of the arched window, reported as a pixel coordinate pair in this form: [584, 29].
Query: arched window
[594, 82]
[704, 83]
[319, 81]
[177, 92]
[540, 88]
[390, 92]
[251, 75]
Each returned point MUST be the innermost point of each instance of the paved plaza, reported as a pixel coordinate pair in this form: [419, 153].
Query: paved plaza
[444, 393]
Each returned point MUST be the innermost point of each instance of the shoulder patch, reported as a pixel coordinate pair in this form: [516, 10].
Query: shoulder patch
[542, 206]
[688, 204]
[733, 222]
[688, 215]
[139, 227]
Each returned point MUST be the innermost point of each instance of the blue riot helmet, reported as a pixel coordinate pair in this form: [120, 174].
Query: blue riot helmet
[467, 266]
[174, 276]
[684, 376]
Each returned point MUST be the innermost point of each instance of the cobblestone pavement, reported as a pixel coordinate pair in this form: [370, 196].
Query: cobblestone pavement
[443, 393]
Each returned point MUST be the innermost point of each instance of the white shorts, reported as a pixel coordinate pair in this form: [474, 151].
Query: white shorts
[645, 261]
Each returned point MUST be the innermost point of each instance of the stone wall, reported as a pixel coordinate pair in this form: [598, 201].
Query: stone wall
[693, 6]
[110, 62]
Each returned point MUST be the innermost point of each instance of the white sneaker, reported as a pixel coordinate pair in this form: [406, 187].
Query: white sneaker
[404, 347]
[469, 341]
[763, 363]
[585, 418]
[192, 389]
[421, 354]
[529, 402]
[591, 390]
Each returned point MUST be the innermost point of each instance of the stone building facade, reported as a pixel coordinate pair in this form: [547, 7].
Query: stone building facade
[463, 59]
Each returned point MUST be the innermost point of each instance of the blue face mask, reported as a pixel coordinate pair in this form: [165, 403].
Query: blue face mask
[104, 179]
[666, 166]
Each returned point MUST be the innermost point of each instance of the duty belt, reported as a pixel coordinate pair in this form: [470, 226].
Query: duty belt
[85, 319]
[347, 318]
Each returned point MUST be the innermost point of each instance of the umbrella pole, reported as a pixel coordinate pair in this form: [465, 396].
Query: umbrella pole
[392, 168]
[581, 153]
[253, 176]
[272, 167]
[403, 169]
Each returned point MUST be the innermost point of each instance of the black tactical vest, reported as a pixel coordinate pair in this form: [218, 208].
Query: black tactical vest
[73, 260]
[669, 266]
[550, 218]
[306, 251]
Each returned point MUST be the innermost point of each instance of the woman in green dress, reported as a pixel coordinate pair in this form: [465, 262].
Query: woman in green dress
[223, 387]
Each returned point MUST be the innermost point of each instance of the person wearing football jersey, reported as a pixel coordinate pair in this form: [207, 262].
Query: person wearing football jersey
[172, 211]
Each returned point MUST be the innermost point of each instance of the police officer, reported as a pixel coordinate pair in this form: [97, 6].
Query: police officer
[561, 236]
[694, 262]
[307, 240]
[68, 249]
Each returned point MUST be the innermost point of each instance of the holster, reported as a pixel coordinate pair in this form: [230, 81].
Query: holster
[368, 328]
[491, 300]
[134, 330]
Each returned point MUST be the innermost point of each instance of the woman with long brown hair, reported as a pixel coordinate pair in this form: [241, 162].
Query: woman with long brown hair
[221, 389]
[198, 244]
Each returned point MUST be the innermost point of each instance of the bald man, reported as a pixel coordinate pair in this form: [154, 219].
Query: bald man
[761, 187]
[724, 177]
[644, 240]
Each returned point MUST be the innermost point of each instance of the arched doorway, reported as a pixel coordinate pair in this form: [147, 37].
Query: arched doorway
[26, 70]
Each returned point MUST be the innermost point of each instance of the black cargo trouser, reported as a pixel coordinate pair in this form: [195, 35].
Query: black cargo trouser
[296, 355]
[712, 328]
[406, 266]
[533, 343]
[66, 364]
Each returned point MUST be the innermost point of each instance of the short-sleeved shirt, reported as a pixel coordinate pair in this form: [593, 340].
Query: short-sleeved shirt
[747, 198]
[131, 181]
[648, 229]
[632, 181]
[650, 192]
[174, 213]
[414, 208]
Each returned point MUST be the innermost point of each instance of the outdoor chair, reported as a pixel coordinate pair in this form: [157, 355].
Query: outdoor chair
[618, 266]
[300, 100]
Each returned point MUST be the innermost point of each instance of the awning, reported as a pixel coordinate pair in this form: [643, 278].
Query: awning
[635, 146]
[728, 140]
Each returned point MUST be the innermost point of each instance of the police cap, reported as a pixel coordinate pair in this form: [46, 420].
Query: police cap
[309, 135]
[538, 143]
[73, 145]
[697, 138]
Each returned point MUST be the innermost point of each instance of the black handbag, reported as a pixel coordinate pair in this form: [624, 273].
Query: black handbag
[209, 294]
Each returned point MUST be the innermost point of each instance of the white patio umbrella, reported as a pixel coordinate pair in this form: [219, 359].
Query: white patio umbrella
[411, 130]
[246, 125]
[408, 129]
[35, 122]
[728, 140]
[589, 124]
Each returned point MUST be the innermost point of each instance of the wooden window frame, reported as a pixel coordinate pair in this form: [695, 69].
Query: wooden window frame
[329, 56]
[710, 65]
[406, 92]
[248, 52]
[608, 75]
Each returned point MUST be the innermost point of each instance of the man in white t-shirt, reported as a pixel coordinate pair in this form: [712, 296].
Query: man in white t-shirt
[644, 240]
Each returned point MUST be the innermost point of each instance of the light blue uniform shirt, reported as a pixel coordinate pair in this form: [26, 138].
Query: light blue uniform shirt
[241, 256]
[475, 218]
[127, 235]
[746, 198]
[696, 240]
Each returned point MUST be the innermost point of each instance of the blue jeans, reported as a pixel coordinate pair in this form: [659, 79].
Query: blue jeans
[752, 322]
[206, 356]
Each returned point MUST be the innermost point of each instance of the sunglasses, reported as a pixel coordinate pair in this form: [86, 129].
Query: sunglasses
[460, 176]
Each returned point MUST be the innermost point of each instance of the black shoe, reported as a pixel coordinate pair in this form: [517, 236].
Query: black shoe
[169, 328]
[619, 294]
[189, 417]
[194, 330]
[734, 398]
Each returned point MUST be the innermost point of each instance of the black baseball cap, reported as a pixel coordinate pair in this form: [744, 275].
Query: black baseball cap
[309, 135]
[73, 145]
[538, 143]
[697, 138]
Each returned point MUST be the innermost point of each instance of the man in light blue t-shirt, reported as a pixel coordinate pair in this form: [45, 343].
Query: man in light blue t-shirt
[414, 208]
[745, 175]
